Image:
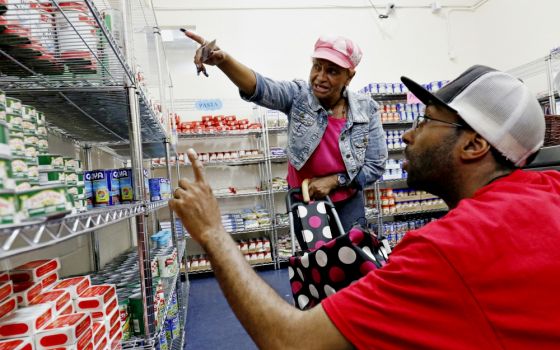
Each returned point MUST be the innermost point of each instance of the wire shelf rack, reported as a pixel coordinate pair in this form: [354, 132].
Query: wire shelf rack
[40, 233]
[61, 58]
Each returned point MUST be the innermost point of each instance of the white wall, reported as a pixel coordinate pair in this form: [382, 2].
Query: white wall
[414, 41]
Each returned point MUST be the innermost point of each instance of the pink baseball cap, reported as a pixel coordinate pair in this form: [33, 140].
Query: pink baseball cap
[339, 50]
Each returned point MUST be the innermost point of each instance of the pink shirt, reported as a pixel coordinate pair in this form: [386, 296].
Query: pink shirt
[325, 160]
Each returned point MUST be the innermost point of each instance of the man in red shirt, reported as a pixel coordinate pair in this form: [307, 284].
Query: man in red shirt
[485, 276]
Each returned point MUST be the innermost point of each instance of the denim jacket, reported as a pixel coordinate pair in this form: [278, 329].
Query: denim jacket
[362, 140]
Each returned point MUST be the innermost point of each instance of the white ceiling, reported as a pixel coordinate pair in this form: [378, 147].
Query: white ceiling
[228, 4]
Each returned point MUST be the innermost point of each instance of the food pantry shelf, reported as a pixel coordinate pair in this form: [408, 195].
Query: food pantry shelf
[211, 271]
[31, 235]
[417, 212]
[59, 58]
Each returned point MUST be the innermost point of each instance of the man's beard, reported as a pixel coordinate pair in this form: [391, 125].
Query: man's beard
[432, 169]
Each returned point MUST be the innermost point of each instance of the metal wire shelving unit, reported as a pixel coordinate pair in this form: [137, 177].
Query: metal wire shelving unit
[73, 62]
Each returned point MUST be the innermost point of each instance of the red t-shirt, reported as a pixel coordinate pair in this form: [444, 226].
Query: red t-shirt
[325, 160]
[486, 276]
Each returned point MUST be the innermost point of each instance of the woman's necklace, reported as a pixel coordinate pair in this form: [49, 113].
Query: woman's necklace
[339, 110]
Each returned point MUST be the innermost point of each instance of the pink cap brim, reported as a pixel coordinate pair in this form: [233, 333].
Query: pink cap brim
[333, 56]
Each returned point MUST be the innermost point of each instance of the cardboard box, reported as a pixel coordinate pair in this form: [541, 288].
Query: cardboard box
[75, 285]
[104, 312]
[6, 288]
[27, 291]
[64, 330]
[84, 343]
[102, 345]
[49, 281]
[16, 344]
[26, 322]
[111, 320]
[99, 331]
[58, 298]
[114, 331]
[8, 306]
[116, 341]
[96, 298]
[34, 270]
[68, 309]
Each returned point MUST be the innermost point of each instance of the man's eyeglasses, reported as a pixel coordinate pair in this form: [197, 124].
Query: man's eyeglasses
[422, 120]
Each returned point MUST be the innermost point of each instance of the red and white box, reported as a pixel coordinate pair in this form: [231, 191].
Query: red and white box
[84, 343]
[4, 276]
[49, 281]
[116, 341]
[58, 298]
[26, 322]
[102, 345]
[105, 312]
[114, 332]
[64, 330]
[27, 291]
[74, 285]
[8, 306]
[6, 289]
[99, 335]
[68, 309]
[96, 298]
[16, 344]
[34, 270]
[112, 320]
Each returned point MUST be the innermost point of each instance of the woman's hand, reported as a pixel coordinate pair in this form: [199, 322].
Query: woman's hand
[320, 187]
[207, 53]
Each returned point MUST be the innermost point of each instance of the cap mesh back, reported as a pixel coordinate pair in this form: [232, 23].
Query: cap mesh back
[503, 110]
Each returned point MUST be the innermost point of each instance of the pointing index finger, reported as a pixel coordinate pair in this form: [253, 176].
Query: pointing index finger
[198, 169]
[199, 39]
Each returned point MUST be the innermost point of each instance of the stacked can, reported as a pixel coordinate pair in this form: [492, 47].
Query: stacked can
[394, 139]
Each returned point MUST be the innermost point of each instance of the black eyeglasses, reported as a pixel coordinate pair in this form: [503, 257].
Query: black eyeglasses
[424, 119]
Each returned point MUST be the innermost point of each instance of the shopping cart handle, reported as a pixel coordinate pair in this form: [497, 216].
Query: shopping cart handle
[305, 191]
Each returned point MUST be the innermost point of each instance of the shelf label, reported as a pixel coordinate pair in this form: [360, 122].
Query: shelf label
[209, 105]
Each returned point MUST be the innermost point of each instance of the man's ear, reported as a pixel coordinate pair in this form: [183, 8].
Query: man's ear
[473, 147]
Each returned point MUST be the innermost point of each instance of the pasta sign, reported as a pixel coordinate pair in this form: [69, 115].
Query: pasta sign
[209, 105]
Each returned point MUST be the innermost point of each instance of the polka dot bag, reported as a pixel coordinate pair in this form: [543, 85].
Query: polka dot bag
[329, 260]
[335, 265]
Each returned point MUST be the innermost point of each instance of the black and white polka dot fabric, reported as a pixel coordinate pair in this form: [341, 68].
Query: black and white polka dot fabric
[333, 266]
[316, 226]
